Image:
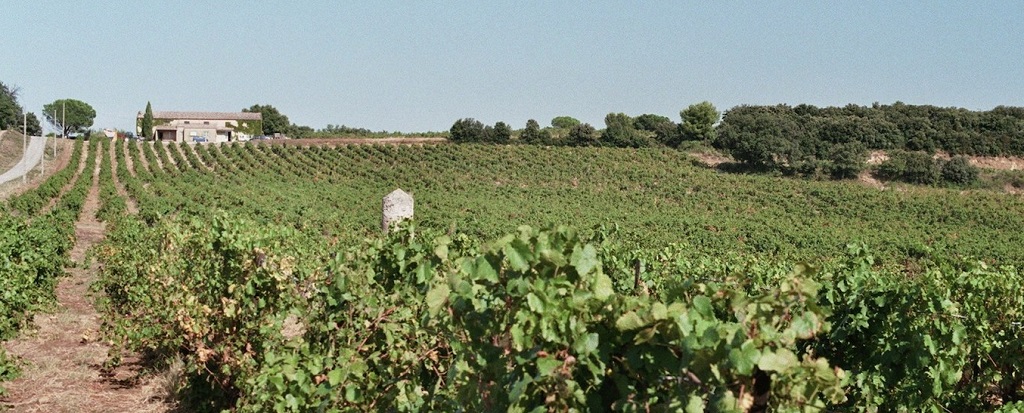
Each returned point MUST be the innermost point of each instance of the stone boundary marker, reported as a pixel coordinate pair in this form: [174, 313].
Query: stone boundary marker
[397, 205]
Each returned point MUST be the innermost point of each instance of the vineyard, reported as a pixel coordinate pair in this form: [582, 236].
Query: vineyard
[532, 279]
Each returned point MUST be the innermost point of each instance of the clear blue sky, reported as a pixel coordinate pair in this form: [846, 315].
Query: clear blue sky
[420, 65]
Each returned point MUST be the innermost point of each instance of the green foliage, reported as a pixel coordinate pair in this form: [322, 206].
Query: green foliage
[999, 131]
[501, 134]
[699, 122]
[534, 135]
[665, 131]
[147, 122]
[10, 110]
[470, 130]
[33, 126]
[760, 138]
[530, 321]
[69, 115]
[34, 249]
[929, 341]
[958, 170]
[847, 160]
[583, 135]
[467, 130]
[620, 132]
[912, 167]
[273, 120]
[564, 122]
[277, 308]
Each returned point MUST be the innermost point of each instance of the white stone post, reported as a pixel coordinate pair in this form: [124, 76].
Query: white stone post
[398, 205]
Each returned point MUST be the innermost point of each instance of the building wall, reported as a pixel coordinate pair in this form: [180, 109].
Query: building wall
[184, 126]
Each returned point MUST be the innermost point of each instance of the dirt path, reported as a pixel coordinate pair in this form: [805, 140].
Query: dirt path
[61, 355]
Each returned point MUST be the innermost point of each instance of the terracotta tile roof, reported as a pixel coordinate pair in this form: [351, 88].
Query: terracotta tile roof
[207, 115]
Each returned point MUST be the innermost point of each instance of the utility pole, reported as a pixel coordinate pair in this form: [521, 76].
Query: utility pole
[55, 136]
[24, 143]
[64, 117]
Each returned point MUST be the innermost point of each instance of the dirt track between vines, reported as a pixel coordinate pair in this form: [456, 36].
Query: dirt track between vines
[62, 354]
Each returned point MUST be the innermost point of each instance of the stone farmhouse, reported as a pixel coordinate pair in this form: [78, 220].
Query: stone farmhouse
[203, 126]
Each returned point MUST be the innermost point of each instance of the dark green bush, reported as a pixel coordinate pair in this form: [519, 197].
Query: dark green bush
[912, 167]
[847, 160]
[959, 171]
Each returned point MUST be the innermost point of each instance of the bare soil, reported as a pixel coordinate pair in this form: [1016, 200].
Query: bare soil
[62, 353]
[11, 148]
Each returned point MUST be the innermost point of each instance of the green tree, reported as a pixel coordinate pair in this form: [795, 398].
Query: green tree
[583, 135]
[501, 134]
[300, 132]
[273, 120]
[69, 115]
[564, 122]
[467, 130]
[665, 131]
[534, 135]
[847, 160]
[699, 122]
[147, 122]
[959, 170]
[619, 132]
[34, 128]
[10, 110]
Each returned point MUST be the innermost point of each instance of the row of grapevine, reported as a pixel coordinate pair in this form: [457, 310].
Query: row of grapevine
[260, 268]
[656, 197]
[269, 318]
[35, 246]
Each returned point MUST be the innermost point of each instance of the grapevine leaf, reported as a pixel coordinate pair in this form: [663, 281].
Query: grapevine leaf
[437, 297]
[603, 286]
[546, 365]
[780, 360]
[695, 405]
[745, 357]
[629, 322]
[584, 259]
[535, 303]
[334, 377]
[518, 254]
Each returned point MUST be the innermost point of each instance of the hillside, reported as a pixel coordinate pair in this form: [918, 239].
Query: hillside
[654, 196]
[255, 278]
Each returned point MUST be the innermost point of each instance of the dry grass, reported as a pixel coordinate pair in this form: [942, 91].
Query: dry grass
[11, 148]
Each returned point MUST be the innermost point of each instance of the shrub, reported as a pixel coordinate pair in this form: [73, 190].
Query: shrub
[583, 135]
[534, 135]
[847, 160]
[912, 167]
[467, 130]
[959, 171]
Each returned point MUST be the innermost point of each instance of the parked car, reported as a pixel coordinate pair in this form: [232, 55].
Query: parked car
[244, 138]
[260, 137]
[199, 139]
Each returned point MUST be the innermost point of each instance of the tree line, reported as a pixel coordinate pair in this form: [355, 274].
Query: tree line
[621, 130]
[799, 140]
